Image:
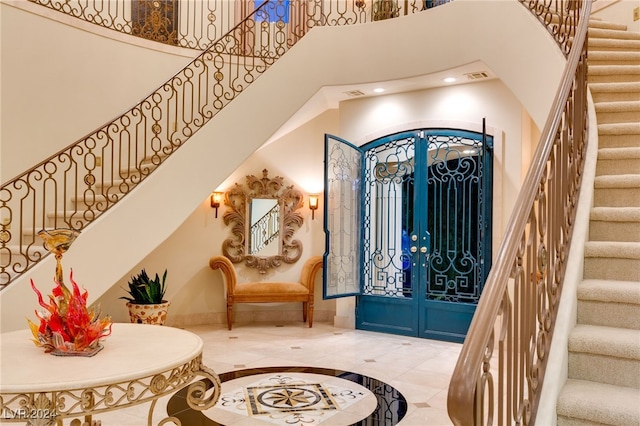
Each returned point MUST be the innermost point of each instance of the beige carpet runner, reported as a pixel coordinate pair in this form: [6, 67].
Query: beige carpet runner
[604, 348]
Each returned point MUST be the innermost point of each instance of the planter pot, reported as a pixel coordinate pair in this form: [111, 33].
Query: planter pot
[148, 314]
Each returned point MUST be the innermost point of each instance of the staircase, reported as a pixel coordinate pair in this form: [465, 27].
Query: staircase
[603, 386]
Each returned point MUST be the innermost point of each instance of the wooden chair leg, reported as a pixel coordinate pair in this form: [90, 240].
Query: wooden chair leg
[229, 314]
[304, 311]
[310, 315]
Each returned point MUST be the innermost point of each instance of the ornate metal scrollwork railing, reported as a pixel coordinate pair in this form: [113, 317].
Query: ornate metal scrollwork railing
[195, 24]
[498, 377]
[72, 188]
[79, 183]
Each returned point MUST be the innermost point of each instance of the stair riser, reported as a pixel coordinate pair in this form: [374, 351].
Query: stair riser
[618, 166]
[616, 197]
[615, 61]
[567, 421]
[618, 117]
[618, 141]
[603, 45]
[614, 231]
[604, 369]
[598, 24]
[606, 268]
[613, 78]
[608, 34]
[620, 315]
[615, 96]
[612, 48]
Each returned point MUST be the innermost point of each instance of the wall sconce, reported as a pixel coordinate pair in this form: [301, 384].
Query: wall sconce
[216, 199]
[313, 204]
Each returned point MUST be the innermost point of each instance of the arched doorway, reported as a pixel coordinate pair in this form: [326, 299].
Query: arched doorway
[408, 227]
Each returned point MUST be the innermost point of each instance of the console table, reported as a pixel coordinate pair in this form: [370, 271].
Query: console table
[138, 364]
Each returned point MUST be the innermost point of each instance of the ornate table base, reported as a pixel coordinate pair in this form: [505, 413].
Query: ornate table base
[112, 380]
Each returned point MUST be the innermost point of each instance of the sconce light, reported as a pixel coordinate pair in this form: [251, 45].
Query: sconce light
[216, 199]
[313, 204]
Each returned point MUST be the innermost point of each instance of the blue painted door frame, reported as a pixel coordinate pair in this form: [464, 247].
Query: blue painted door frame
[408, 226]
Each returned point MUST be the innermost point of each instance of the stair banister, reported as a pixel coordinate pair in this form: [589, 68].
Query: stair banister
[130, 146]
[515, 316]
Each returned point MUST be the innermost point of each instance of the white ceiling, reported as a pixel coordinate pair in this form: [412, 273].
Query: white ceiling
[329, 97]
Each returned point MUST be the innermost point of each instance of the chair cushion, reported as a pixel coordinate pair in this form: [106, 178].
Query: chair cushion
[268, 288]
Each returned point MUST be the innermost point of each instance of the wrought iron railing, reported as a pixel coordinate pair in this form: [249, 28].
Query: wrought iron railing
[82, 181]
[498, 377]
[195, 24]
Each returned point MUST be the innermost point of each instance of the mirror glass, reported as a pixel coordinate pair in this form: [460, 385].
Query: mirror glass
[264, 234]
[263, 218]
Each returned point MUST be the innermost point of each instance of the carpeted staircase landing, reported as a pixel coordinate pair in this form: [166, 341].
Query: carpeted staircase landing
[604, 348]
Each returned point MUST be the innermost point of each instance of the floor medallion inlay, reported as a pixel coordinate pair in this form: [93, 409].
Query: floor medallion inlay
[294, 399]
[297, 396]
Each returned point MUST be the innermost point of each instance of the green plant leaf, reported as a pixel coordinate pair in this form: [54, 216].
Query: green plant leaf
[144, 290]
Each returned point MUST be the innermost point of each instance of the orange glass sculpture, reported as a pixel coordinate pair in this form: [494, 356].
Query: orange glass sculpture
[68, 326]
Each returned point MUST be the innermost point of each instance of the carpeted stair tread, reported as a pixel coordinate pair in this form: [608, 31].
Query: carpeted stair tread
[615, 214]
[599, 403]
[614, 224]
[619, 129]
[619, 153]
[612, 249]
[617, 106]
[613, 34]
[610, 291]
[614, 69]
[614, 55]
[617, 181]
[615, 87]
[607, 303]
[597, 23]
[606, 341]
[609, 43]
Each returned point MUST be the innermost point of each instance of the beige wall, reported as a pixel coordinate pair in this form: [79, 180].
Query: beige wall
[61, 82]
[462, 106]
[162, 208]
[197, 292]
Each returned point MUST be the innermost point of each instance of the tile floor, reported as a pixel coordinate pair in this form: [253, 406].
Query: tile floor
[420, 369]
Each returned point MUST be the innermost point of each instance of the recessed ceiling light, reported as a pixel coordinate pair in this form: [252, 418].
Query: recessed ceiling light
[378, 90]
[449, 80]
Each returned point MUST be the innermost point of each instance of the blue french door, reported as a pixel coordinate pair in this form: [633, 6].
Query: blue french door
[408, 226]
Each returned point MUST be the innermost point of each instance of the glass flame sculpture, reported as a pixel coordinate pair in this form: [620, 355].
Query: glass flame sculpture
[67, 326]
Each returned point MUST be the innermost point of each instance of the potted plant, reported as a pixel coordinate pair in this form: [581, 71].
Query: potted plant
[146, 301]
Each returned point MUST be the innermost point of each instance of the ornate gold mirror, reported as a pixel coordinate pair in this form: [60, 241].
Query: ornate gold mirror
[263, 215]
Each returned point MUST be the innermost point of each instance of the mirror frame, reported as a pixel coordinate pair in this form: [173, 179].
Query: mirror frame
[238, 199]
